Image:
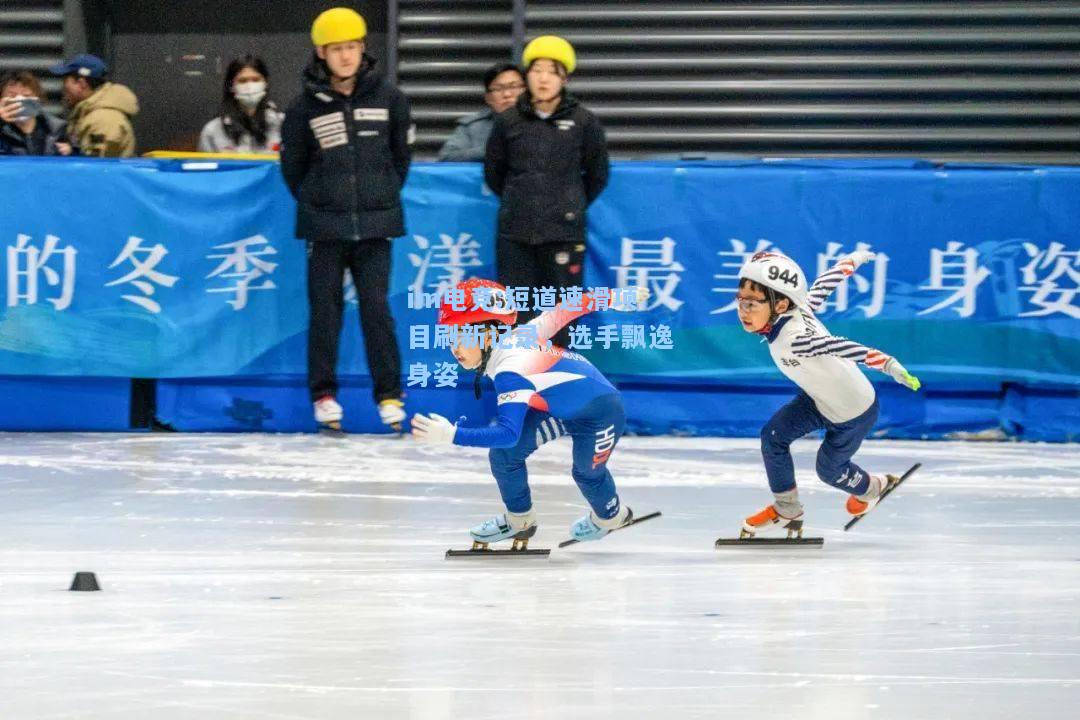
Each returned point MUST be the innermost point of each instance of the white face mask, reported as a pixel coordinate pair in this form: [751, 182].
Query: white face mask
[250, 94]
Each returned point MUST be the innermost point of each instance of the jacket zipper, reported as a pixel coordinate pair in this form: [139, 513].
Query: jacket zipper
[352, 175]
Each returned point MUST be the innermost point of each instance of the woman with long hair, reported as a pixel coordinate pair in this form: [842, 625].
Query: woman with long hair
[249, 120]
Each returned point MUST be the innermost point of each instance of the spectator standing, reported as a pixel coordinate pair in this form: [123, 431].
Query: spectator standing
[250, 121]
[101, 111]
[547, 160]
[25, 128]
[503, 83]
[345, 155]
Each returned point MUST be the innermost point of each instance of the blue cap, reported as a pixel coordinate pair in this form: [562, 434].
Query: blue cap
[81, 65]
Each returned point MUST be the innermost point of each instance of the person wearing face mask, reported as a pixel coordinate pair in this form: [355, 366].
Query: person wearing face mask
[346, 150]
[249, 120]
[547, 159]
[25, 128]
[503, 82]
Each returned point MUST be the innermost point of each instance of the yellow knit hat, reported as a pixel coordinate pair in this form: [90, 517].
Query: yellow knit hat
[336, 25]
[551, 47]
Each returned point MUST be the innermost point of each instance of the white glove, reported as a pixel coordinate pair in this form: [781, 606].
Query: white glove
[434, 429]
[900, 374]
[861, 257]
[640, 300]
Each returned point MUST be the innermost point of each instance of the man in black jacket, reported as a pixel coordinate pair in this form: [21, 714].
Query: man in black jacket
[547, 159]
[345, 154]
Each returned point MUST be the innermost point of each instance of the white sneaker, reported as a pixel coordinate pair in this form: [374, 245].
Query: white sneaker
[327, 410]
[391, 411]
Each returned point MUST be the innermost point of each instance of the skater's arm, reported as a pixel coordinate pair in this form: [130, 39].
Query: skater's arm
[514, 395]
[830, 279]
[811, 346]
[552, 321]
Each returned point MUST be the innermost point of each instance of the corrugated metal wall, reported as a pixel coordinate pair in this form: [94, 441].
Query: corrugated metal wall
[32, 38]
[443, 50]
[997, 80]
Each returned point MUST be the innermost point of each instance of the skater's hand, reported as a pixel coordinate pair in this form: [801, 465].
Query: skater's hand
[861, 257]
[638, 301]
[900, 374]
[434, 429]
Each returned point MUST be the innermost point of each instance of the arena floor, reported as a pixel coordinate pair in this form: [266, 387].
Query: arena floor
[287, 577]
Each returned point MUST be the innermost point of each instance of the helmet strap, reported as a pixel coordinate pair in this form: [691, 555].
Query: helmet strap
[770, 294]
[485, 355]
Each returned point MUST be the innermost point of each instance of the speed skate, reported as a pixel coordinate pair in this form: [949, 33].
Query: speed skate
[885, 493]
[519, 548]
[793, 538]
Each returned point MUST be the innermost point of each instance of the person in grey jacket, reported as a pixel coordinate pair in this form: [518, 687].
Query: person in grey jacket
[502, 85]
[249, 121]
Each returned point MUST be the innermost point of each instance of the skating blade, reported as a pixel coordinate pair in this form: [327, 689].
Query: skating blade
[905, 476]
[770, 542]
[522, 554]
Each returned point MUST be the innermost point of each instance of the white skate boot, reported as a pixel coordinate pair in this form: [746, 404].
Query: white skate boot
[328, 413]
[392, 413]
[519, 526]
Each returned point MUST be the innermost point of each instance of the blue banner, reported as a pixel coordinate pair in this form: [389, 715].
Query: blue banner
[171, 269]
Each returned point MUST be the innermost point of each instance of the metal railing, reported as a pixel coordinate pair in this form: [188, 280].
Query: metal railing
[995, 80]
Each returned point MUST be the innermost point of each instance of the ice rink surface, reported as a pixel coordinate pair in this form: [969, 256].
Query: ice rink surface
[286, 577]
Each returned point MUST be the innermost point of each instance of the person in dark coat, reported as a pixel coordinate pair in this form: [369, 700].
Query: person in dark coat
[25, 128]
[346, 149]
[547, 159]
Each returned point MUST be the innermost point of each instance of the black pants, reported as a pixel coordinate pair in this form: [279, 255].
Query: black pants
[558, 265]
[369, 263]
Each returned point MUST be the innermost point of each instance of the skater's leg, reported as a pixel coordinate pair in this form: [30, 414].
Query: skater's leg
[842, 441]
[596, 433]
[325, 274]
[508, 467]
[508, 464]
[790, 423]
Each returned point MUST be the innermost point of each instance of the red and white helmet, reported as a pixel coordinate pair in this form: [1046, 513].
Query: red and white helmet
[779, 273]
[496, 306]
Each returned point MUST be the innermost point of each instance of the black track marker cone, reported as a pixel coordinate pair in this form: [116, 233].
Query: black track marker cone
[85, 582]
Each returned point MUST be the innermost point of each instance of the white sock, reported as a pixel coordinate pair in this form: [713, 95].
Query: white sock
[521, 521]
[614, 522]
[873, 490]
[787, 504]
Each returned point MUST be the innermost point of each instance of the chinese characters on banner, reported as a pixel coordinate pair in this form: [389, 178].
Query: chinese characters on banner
[214, 284]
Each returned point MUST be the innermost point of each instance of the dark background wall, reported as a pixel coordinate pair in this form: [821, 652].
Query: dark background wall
[173, 53]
